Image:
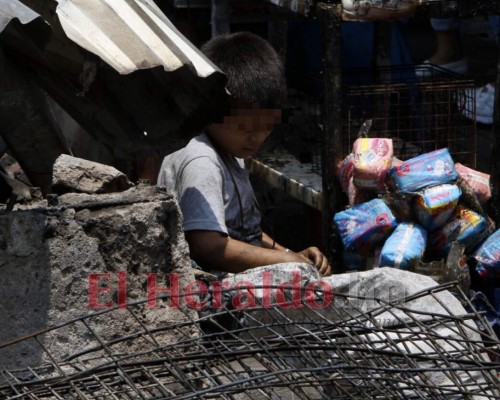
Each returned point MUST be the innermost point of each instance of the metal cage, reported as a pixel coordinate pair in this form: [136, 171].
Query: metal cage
[421, 108]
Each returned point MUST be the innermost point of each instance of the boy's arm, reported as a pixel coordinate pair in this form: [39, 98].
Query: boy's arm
[216, 250]
[313, 254]
[268, 243]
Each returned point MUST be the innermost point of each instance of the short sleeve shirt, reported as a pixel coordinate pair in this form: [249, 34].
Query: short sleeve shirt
[209, 191]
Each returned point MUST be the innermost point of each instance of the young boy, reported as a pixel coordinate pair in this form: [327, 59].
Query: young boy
[221, 216]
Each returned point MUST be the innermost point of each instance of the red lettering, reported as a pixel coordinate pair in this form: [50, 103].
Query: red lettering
[122, 289]
[173, 290]
[94, 291]
[195, 288]
[217, 292]
[248, 295]
[294, 284]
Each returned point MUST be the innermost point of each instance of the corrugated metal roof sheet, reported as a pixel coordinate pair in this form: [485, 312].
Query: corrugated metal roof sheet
[130, 35]
[10, 9]
[152, 89]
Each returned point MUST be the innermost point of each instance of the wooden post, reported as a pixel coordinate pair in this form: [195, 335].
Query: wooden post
[330, 18]
[26, 125]
[495, 149]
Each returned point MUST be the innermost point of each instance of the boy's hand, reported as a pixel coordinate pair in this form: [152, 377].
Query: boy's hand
[319, 260]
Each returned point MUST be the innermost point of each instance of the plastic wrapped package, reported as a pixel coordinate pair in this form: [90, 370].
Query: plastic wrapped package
[344, 172]
[436, 204]
[488, 259]
[465, 226]
[405, 247]
[373, 159]
[429, 169]
[365, 226]
[478, 181]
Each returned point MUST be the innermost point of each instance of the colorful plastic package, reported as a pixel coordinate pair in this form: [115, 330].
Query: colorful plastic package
[405, 246]
[478, 181]
[344, 172]
[436, 204]
[465, 226]
[488, 259]
[429, 169]
[365, 226]
[373, 158]
[345, 175]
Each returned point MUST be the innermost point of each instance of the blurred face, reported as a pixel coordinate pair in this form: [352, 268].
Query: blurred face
[242, 133]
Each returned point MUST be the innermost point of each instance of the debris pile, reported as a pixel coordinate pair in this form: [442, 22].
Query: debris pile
[48, 254]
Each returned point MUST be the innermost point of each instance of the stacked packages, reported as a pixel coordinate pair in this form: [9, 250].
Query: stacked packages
[403, 211]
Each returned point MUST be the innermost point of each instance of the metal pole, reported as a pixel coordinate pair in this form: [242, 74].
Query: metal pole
[220, 17]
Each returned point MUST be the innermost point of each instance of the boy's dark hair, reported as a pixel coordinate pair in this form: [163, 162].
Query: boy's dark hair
[253, 68]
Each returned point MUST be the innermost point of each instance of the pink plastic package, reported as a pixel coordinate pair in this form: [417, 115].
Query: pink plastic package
[478, 181]
[344, 172]
[373, 158]
[345, 175]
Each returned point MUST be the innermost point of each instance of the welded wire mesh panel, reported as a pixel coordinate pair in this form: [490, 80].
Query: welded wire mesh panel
[421, 108]
[356, 348]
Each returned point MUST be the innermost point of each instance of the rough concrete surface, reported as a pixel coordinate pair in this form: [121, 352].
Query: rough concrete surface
[71, 174]
[46, 255]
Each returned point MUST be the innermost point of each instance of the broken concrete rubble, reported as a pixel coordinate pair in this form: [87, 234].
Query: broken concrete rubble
[47, 254]
[71, 174]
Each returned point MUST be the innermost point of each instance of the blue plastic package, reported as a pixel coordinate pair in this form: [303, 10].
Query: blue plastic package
[488, 258]
[429, 169]
[404, 247]
[365, 226]
[436, 204]
[465, 226]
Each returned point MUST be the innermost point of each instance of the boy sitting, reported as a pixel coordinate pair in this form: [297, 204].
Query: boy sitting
[221, 215]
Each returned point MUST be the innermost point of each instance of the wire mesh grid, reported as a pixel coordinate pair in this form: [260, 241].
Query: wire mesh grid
[421, 108]
[347, 351]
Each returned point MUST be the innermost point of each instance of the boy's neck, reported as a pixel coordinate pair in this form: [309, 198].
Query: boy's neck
[218, 148]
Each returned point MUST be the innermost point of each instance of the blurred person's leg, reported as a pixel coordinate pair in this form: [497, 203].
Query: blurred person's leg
[449, 46]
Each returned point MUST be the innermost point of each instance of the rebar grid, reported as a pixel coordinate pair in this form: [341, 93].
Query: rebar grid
[342, 351]
[422, 114]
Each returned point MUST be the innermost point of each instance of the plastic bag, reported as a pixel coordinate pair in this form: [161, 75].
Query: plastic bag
[465, 226]
[436, 204]
[365, 226]
[373, 158]
[478, 181]
[488, 258]
[430, 169]
[404, 247]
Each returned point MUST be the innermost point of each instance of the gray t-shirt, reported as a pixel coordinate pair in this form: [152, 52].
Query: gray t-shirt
[203, 185]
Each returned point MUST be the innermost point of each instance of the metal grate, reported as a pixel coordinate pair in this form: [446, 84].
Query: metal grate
[420, 114]
[265, 353]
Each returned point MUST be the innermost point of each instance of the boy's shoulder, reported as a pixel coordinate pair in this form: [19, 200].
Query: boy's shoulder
[199, 149]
